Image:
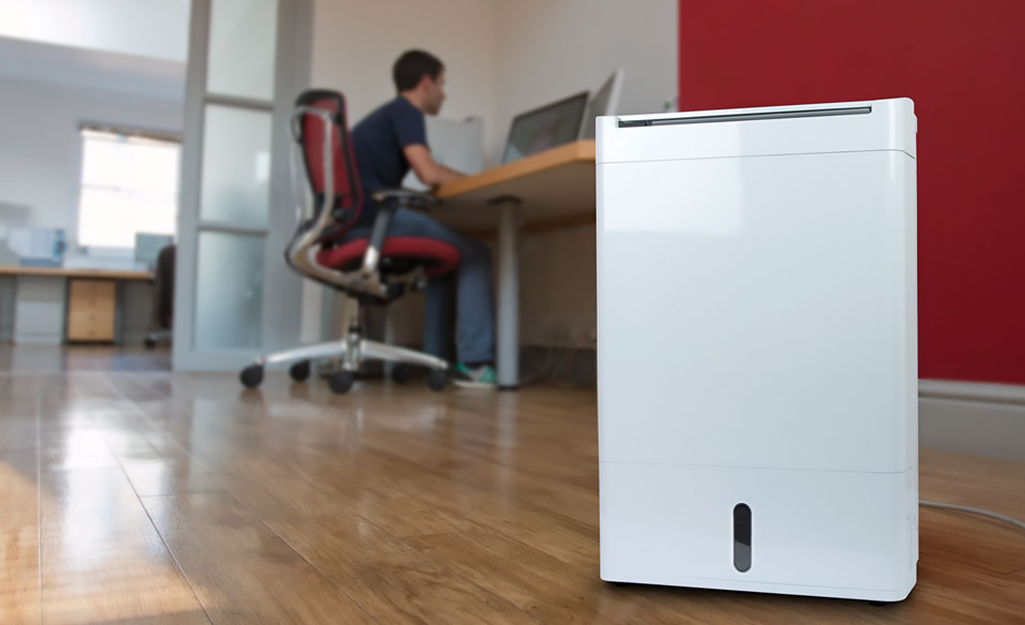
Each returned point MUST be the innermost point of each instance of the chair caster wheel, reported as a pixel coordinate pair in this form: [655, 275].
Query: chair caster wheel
[300, 371]
[251, 376]
[437, 380]
[340, 382]
[150, 343]
[401, 373]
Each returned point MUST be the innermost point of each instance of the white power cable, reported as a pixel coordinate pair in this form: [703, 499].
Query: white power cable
[979, 511]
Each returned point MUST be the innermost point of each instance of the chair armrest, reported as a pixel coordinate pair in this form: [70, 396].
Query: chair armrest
[389, 201]
[372, 256]
[405, 198]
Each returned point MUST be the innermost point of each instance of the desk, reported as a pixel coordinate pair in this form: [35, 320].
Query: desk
[60, 272]
[40, 301]
[553, 189]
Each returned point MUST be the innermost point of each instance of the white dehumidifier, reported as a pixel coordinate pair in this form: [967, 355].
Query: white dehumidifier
[757, 349]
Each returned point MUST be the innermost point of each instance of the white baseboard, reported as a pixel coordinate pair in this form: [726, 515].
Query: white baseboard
[974, 418]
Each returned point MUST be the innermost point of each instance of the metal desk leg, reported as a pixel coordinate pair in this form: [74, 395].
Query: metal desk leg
[508, 365]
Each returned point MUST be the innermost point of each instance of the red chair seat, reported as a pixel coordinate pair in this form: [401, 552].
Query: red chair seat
[438, 257]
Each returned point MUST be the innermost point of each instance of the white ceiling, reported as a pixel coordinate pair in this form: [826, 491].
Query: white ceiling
[94, 69]
[157, 29]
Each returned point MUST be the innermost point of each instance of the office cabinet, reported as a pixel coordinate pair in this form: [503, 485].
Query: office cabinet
[92, 310]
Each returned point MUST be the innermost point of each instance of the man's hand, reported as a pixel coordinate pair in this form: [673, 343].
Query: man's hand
[429, 171]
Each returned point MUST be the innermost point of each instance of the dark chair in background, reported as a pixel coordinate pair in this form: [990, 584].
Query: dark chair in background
[163, 297]
[374, 270]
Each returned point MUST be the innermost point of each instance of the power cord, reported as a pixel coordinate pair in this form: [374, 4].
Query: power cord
[993, 515]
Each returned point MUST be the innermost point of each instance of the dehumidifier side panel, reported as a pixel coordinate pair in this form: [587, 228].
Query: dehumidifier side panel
[754, 312]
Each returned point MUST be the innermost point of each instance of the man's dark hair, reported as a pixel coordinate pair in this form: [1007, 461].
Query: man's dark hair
[412, 66]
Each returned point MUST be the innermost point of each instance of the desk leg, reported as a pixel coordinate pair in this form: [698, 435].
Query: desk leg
[508, 365]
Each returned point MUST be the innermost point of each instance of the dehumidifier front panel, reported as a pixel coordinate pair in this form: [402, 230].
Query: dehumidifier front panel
[826, 533]
[754, 312]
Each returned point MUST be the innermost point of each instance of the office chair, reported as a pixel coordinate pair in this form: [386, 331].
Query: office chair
[163, 297]
[374, 270]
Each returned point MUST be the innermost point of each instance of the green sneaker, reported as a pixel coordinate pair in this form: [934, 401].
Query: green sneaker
[477, 377]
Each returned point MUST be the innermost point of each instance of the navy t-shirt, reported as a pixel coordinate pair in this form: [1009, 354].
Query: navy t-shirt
[378, 141]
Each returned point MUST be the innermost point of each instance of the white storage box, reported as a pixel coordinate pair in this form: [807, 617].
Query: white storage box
[757, 346]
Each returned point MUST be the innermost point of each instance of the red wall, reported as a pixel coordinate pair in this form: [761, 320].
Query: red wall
[963, 63]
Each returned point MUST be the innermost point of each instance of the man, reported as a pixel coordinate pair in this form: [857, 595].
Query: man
[389, 142]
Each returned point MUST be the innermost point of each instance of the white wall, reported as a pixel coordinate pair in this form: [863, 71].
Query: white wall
[548, 49]
[355, 43]
[40, 146]
[149, 28]
[504, 57]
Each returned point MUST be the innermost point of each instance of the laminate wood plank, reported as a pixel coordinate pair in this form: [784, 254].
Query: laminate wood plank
[954, 594]
[465, 508]
[394, 584]
[102, 559]
[19, 538]
[575, 502]
[19, 485]
[540, 585]
[141, 388]
[19, 575]
[241, 571]
[19, 433]
[75, 448]
[958, 539]
[179, 474]
[974, 481]
[271, 489]
[20, 395]
[153, 462]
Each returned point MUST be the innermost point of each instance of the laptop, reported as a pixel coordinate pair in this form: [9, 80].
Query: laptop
[604, 102]
[545, 128]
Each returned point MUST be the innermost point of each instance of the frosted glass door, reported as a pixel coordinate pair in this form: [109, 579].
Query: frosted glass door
[236, 166]
[235, 298]
[243, 37]
[229, 292]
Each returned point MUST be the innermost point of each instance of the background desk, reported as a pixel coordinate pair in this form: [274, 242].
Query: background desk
[40, 303]
[550, 190]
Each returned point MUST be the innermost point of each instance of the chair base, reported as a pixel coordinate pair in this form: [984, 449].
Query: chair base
[155, 337]
[352, 351]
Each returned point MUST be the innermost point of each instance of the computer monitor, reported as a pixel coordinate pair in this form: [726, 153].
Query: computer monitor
[545, 128]
[148, 246]
[458, 145]
[604, 102]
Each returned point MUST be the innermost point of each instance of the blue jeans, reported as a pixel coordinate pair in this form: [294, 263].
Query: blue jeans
[475, 314]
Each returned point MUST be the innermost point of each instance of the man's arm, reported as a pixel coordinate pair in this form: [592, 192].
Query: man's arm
[429, 171]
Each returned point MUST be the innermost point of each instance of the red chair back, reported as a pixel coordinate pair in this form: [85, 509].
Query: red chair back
[310, 133]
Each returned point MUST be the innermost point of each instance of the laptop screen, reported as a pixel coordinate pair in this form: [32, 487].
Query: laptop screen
[545, 128]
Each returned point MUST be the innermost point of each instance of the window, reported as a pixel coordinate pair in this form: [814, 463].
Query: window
[129, 186]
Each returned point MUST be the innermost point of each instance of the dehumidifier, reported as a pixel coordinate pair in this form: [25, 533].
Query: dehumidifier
[757, 349]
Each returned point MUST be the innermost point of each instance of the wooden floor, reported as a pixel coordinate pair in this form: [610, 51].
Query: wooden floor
[150, 497]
